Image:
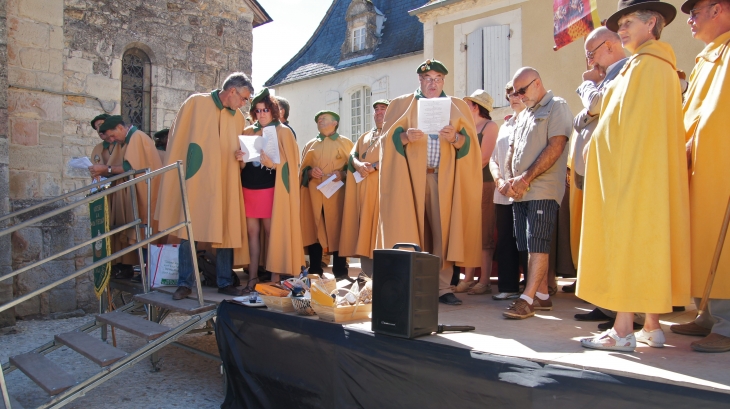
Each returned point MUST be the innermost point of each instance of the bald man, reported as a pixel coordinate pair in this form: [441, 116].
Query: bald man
[535, 180]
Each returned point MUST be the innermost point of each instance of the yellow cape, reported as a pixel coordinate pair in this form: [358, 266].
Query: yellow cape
[705, 118]
[635, 241]
[284, 250]
[403, 185]
[205, 138]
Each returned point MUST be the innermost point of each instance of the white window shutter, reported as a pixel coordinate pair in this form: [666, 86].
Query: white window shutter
[332, 101]
[496, 62]
[379, 89]
[474, 61]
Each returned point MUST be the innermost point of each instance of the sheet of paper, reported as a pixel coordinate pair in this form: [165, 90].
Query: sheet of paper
[358, 178]
[329, 186]
[433, 114]
[81, 162]
[271, 144]
[251, 146]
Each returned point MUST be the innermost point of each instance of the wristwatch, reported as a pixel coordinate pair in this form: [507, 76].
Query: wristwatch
[456, 139]
[109, 170]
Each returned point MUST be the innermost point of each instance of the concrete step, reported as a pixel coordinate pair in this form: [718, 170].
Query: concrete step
[133, 324]
[186, 306]
[43, 372]
[13, 404]
[91, 347]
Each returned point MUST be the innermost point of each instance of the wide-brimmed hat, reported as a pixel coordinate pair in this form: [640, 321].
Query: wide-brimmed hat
[482, 98]
[625, 7]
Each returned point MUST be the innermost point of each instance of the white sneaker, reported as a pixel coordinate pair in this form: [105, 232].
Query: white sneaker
[654, 338]
[625, 344]
[505, 296]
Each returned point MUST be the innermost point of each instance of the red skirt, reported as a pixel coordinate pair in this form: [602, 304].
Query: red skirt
[258, 202]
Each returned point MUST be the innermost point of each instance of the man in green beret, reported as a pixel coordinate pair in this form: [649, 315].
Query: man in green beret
[102, 152]
[161, 142]
[324, 156]
[204, 135]
[442, 173]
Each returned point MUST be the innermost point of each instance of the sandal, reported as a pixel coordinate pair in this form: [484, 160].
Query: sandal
[625, 344]
[464, 286]
[248, 288]
[480, 288]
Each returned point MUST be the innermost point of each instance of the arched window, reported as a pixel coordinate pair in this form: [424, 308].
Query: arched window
[136, 88]
[360, 112]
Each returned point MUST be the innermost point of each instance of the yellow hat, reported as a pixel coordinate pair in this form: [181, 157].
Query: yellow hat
[481, 98]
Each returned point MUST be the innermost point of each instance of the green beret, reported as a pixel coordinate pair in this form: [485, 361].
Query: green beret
[111, 123]
[432, 65]
[259, 97]
[382, 102]
[161, 134]
[334, 115]
[98, 117]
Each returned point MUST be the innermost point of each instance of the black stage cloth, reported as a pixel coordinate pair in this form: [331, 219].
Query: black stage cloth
[275, 360]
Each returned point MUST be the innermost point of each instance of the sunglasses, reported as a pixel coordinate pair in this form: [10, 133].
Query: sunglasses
[265, 110]
[522, 90]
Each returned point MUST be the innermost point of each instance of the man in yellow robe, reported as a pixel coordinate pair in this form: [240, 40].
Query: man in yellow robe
[204, 135]
[102, 152]
[360, 218]
[706, 122]
[432, 182]
[324, 156]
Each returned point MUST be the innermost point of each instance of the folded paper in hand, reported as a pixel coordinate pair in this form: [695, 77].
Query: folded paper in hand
[433, 114]
[329, 186]
[253, 145]
[81, 162]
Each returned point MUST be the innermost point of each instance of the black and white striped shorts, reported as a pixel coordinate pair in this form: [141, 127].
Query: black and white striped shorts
[534, 224]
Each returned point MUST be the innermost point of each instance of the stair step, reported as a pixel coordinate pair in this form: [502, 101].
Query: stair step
[44, 372]
[91, 347]
[133, 324]
[164, 300]
[13, 404]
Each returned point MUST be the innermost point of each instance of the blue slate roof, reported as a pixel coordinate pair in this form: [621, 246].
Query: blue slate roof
[401, 34]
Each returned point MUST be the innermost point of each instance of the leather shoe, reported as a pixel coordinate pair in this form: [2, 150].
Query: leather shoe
[608, 325]
[595, 315]
[690, 328]
[712, 343]
[181, 293]
[230, 290]
[449, 299]
[570, 289]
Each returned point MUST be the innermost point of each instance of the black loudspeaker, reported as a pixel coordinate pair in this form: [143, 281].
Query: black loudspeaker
[405, 292]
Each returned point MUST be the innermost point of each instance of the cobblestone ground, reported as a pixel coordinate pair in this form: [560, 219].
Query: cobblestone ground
[186, 380]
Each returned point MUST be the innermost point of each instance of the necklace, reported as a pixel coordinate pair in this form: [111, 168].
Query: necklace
[373, 138]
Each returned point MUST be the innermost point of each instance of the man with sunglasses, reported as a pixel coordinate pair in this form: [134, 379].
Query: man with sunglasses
[204, 135]
[432, 182]
[536, 170]
[707, 123]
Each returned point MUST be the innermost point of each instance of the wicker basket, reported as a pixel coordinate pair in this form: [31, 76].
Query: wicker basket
[303, 306]
[280, 304]
[343, 314]
[327, 283]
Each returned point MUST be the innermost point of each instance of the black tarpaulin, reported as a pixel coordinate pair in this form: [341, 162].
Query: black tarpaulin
[275, 360]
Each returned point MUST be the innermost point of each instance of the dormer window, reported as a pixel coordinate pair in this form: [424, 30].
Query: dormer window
[359, 35]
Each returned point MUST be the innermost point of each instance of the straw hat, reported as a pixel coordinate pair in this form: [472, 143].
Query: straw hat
[481, 98]
[629, 6]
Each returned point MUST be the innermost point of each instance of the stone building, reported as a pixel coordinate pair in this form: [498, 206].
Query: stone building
[62, 62]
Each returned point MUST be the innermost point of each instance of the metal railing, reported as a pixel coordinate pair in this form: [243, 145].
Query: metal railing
[135, 177]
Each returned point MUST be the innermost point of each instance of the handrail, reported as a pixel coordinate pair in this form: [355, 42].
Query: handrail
[88, 199]
[71, 194]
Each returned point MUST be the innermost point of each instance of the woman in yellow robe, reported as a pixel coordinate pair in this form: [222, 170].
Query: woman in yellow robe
[635, 240]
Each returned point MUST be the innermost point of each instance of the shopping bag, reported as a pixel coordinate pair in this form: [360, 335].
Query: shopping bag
[164, 264]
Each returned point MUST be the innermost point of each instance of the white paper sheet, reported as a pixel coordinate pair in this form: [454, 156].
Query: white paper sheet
[81, 162]
[433, 114]
[329, 186]
[251, 146]
[358, 177]
[271, 144]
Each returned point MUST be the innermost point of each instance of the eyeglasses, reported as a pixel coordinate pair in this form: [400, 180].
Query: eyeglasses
[265, 110]
[592, 53]
[244, 99]
[430, 80]
[694, 12]
[522, 90]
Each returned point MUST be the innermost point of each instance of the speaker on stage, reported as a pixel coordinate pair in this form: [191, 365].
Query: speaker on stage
[405, 292]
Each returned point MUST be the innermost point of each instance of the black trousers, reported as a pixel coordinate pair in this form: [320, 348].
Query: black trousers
[507, 256]
[339, 264]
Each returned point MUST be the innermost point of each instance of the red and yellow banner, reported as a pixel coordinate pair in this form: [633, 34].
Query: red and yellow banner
[573, 19]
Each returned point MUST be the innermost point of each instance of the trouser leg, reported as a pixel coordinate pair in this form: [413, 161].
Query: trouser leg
[185, 273]
[339, 265]
[508, 258]
[224, 267]
[366, 264]
[720, 311]
[315, 258]
[434, 220]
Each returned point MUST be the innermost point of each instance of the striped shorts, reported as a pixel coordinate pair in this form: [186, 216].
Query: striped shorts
[534, 224]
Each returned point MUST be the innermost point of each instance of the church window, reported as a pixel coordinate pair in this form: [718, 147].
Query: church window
[136, 89]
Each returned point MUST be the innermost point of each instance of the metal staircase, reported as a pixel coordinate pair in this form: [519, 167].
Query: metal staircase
[63, 387]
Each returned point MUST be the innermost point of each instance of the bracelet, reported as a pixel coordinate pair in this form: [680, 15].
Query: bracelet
[522, 179]
[456, 139]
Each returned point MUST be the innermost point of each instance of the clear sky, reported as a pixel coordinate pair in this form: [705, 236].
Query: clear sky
[275, 43]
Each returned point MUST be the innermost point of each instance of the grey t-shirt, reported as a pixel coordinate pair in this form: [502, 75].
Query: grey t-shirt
[550, 117]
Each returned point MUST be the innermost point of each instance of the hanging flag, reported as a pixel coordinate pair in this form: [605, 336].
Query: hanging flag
[573, 19]
[99, 216]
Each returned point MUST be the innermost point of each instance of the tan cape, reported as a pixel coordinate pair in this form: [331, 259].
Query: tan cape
[328, 155]
[100, 154]
[120, 208]
[403, 185]
[635, 241]
[284, 250]
[205, 138]
[706, 118]
[362, 206]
